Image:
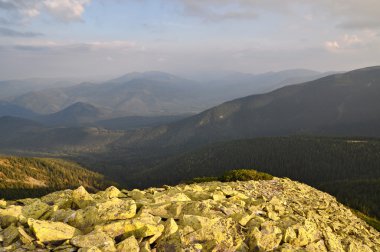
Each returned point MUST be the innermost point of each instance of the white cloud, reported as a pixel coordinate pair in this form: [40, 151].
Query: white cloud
[66, 10]
[332, 46]
[350, 40]
[24, 10]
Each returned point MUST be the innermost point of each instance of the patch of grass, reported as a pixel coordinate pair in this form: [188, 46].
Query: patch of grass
[235, 175]
[244, 175]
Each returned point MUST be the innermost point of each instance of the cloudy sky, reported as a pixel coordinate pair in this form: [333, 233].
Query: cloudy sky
[51, 38]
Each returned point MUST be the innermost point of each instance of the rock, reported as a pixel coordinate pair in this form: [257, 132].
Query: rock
[332, 242]
[35, 210]
[112, 192]
[170, 227]
[62, 199]
[145, 247]
[318, 246]
[10, 215]
[92, 249]
[82, 198]
[24, 236]
[166, 210]
[99, 240]
[137, 194]
[3, 203]
[113, 209]
[128, 245]
[47, 231]
[218, 195]
[63, 215]
[266, 239]
[9, 235]
[171, 197]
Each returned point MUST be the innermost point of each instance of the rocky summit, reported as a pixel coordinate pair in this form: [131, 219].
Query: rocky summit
[272, 215]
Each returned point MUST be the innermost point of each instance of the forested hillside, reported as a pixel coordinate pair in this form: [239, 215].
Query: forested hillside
[26, 177]
[345, 167]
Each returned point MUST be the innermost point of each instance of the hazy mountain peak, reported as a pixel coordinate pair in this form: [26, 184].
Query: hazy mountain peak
[149, 75]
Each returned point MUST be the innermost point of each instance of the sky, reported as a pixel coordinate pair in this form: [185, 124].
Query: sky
[77, 38]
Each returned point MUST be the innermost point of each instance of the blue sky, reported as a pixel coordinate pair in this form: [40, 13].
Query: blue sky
[70, 38]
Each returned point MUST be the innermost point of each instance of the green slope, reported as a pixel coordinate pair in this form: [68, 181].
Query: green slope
[25, 177]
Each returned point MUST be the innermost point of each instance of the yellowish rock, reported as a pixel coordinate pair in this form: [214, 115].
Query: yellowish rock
[3, 203]
[92, 249]
[136, 194]
[111, 192]
[145, 247]
[117, 228]
[24, 236]
[82, 198]
[266, 239]
[128, 245]
[47, 231]
[332, 242]
[170, 227]
[218, 195]
[318, 246]
[113, 209]
[35, 210]
[9, 235]
[10, 215]
[95, 239]
[62, 199]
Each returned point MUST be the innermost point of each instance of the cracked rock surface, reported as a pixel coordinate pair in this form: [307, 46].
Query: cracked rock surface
[270, 215]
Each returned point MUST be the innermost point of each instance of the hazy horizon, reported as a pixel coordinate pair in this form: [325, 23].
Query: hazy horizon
[80, 38]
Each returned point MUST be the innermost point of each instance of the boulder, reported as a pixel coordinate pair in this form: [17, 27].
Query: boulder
[128, 245]
[81, 198]
[35, 210]
[266, 239]
[9, 235]
[62, 199]
[113, 209]
[48, 231]
[99, 240]
[10, 215]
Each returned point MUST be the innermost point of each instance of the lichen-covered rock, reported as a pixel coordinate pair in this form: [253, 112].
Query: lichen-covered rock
[266, 239]
[113, 209]
[35, 210]
[47, 231]
[9, 235]
[99, 240]
[62, 199]
[10, 215]
[3, 203]
[273, 215]
[82, 198]
[128, 245]
[25, 238]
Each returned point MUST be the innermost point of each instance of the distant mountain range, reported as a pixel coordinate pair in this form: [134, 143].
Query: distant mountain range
[340, 104]
[76, 114]
[10, 89]
[154, 93]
